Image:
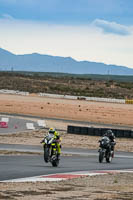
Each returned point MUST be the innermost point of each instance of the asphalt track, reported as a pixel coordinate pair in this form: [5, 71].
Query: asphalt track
[21, 120]
[72, 160]
[16, 124]
[21, 166]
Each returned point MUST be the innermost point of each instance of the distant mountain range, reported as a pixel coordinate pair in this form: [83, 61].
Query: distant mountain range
[45, 63]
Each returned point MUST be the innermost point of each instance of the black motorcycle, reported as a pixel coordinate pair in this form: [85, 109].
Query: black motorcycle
[50, 150]
[105, 150]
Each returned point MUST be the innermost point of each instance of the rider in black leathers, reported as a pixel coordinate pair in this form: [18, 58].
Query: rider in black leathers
[111, 136]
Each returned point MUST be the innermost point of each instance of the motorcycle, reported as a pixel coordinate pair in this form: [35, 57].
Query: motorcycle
[105, 150]
[50, 150]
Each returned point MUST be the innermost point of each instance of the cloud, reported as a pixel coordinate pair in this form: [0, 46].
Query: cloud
[111, 27]
[8, 17]
[80, 42]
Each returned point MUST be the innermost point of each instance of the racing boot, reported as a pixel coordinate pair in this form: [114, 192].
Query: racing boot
[112, 154]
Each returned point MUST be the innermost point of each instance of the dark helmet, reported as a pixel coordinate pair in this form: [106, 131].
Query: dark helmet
[109, 133]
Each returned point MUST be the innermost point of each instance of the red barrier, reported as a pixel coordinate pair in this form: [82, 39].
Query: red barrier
[3, 125]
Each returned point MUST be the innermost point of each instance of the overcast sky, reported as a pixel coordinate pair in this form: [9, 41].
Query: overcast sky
[93, 30]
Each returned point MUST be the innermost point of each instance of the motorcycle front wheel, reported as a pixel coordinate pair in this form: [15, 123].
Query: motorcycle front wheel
[101, 156]
[46, 154]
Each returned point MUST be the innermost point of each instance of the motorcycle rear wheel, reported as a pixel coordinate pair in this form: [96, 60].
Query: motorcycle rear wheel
[109, 158]
[54, 161]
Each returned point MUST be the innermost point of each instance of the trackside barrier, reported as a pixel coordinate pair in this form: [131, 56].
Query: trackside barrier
[3, 91]
[83, 98]
[123, 101]
[92, 131]
[57, 96]
[127, 101]
[105, 100]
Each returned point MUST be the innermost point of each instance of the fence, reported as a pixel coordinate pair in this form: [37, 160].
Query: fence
[3, 91]
[92, 131]
[83, 98]
[110, 100]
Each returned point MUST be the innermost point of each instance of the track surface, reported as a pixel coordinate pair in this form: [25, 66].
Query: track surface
[15, 124]
[12, 166]
[21, 120]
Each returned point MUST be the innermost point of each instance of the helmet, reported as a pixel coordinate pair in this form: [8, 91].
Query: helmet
[52, 130]
[109, 133]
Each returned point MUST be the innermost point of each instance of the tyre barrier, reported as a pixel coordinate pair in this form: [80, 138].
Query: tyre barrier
[129, 101]
[92, 131]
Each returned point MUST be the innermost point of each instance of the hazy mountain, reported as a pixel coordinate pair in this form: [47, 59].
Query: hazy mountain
[45, 63]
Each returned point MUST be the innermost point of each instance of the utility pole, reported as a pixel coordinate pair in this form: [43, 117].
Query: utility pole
[12, 69]
[108, 74]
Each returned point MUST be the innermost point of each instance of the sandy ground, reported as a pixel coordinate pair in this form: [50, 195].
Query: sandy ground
[111, 113]
[113, 187]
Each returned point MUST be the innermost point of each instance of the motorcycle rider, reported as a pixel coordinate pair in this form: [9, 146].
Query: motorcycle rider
[57, 138]
[109, 133]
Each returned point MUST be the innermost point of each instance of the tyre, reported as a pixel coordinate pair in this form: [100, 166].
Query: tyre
[46, 155]
[54, 161]
[109, 158]
[101, 156]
